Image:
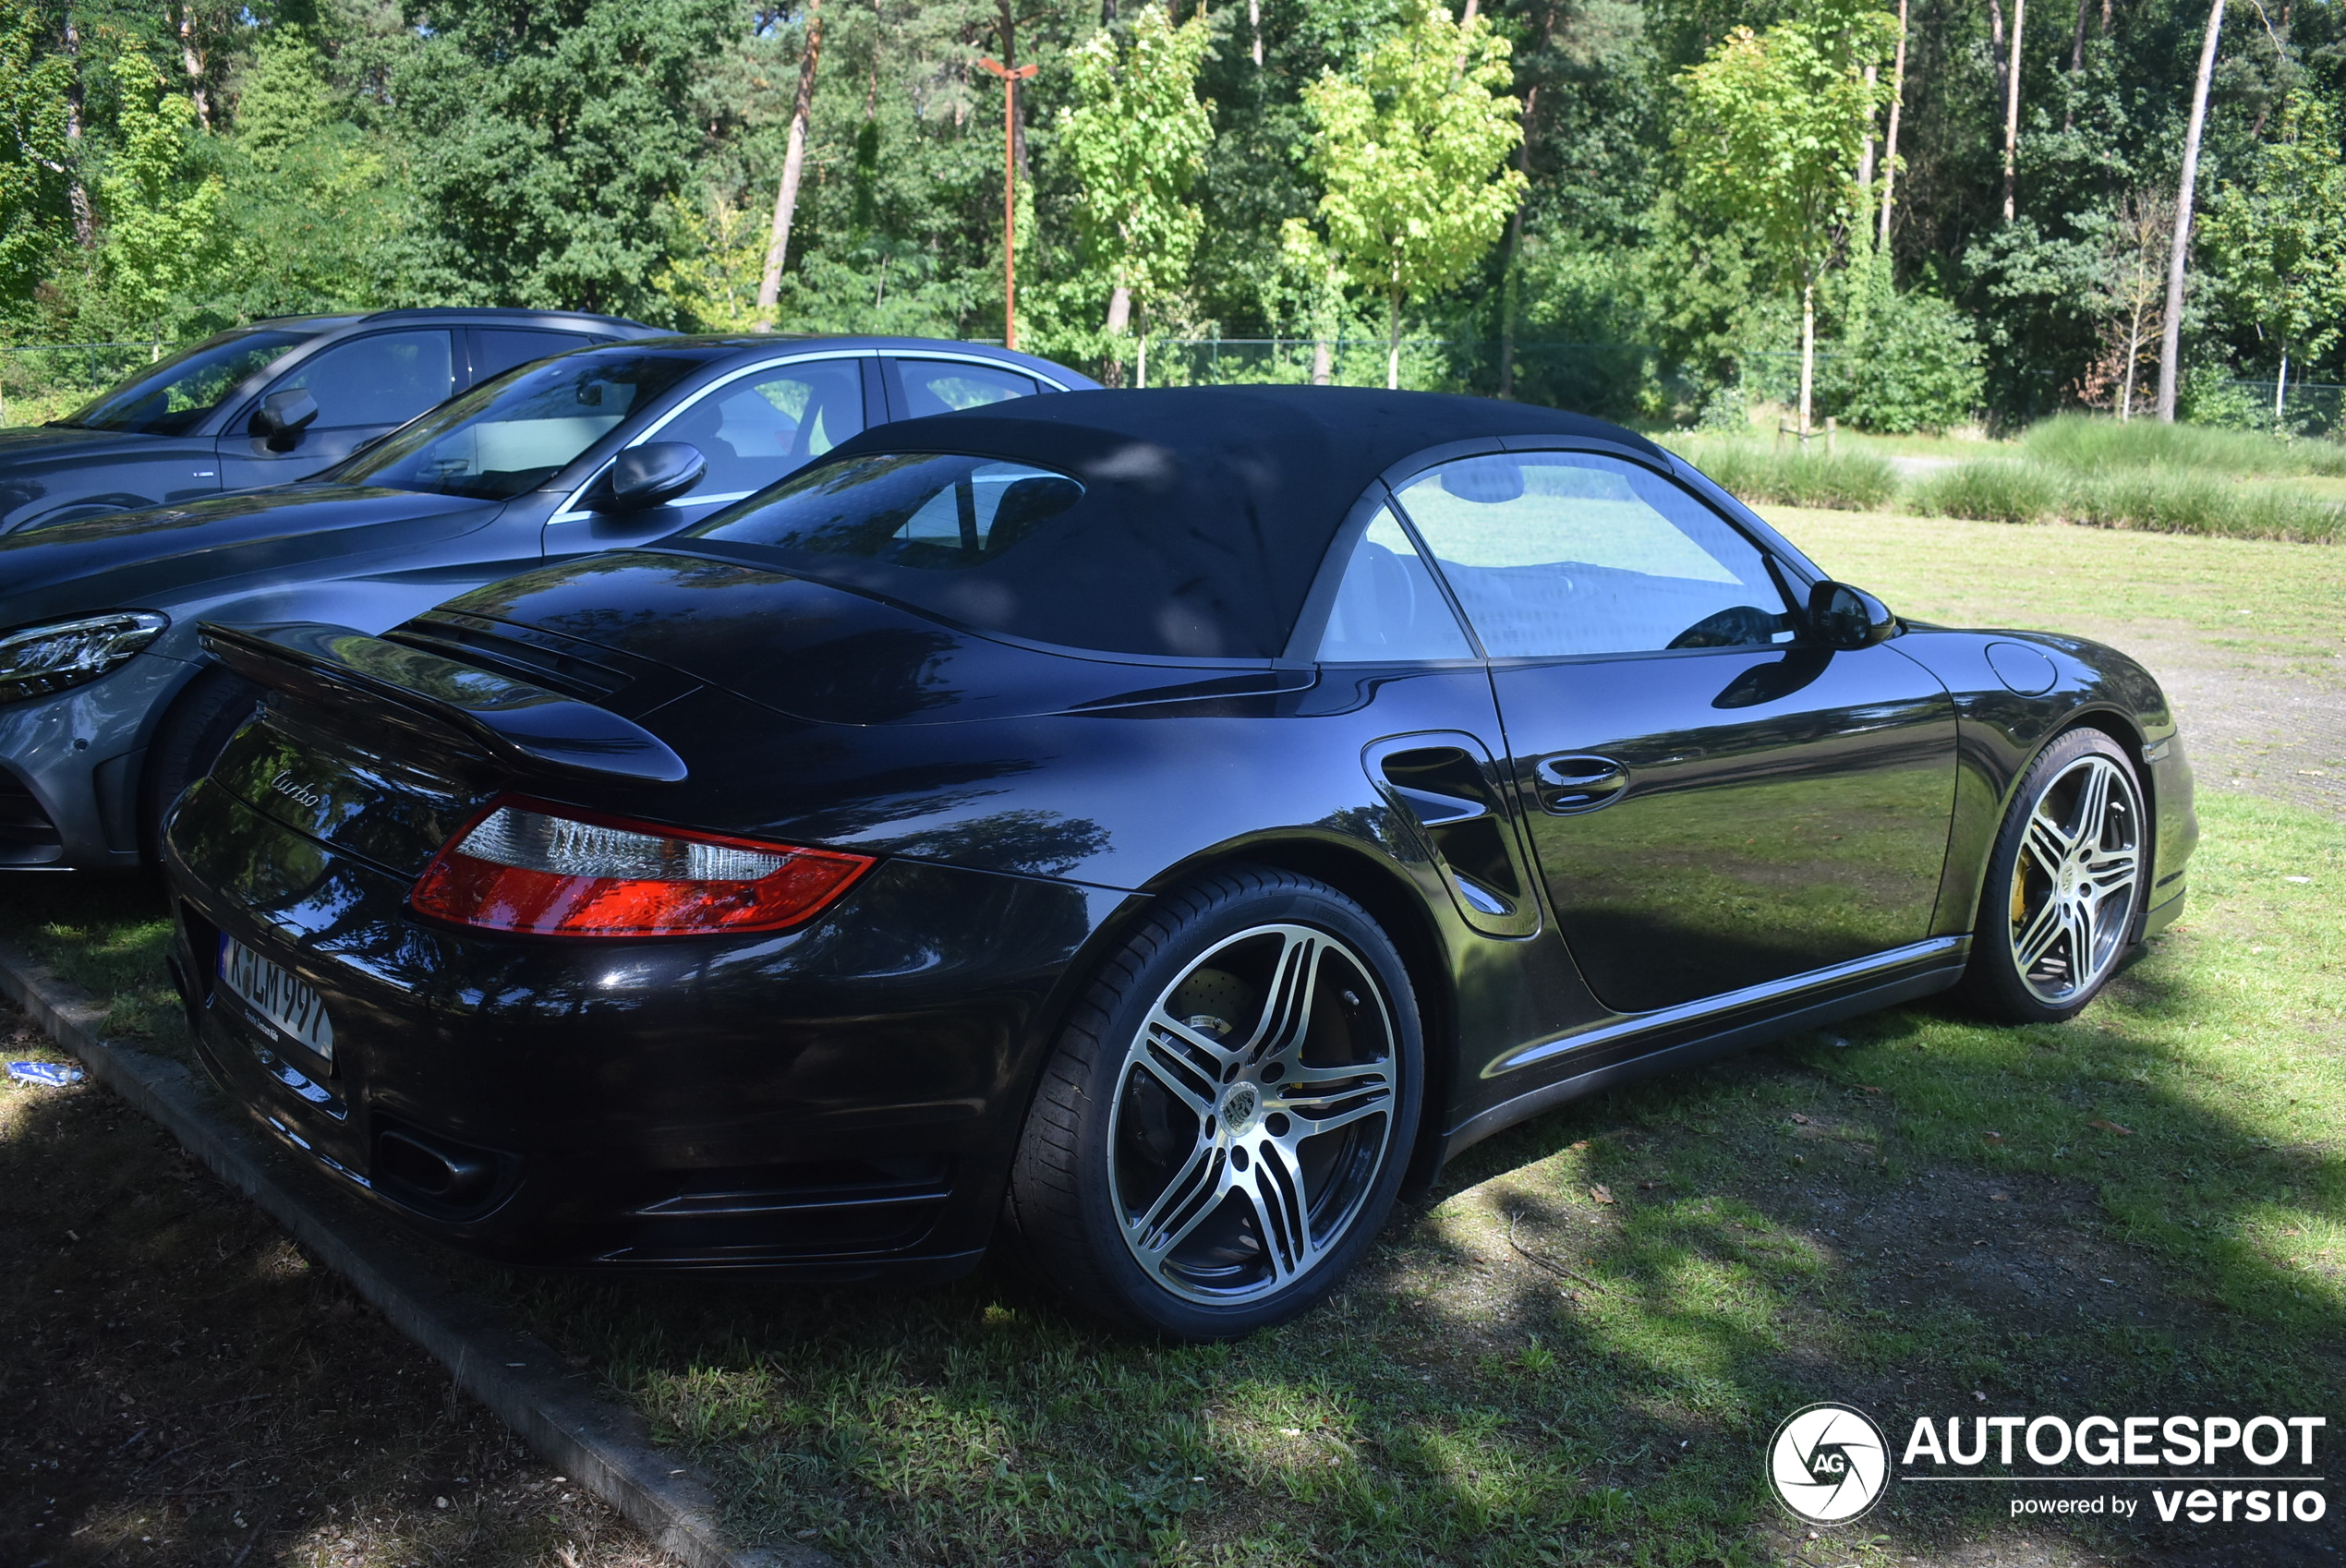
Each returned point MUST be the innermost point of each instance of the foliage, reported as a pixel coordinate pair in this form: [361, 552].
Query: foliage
[163, 228]
[1409, 150]
[1135, 142]
[2277, 239]
[1912, 364]
[1634, 262]
[33, 149]
[547, 142]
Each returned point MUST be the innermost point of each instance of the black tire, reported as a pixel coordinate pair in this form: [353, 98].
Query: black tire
[1110, 1119]
[2059, 914]
[207, 710]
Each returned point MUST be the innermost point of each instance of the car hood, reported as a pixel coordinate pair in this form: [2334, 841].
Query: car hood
[18, 443]
[173, 554]
[829, 655]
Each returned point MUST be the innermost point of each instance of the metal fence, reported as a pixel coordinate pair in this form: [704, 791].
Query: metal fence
[44, 380]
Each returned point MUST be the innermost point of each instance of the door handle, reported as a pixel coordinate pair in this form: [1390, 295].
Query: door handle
[1568, 784]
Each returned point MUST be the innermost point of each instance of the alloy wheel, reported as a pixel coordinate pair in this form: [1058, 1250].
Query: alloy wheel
[1254, 1114]
[2073, 890]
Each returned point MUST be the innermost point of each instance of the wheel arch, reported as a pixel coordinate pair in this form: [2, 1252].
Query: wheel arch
[1360, 873]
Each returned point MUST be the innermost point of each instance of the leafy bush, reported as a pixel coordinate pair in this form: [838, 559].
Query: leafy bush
[1916, 366]
[1844, 481]
[1992, 492]
[2084, 443]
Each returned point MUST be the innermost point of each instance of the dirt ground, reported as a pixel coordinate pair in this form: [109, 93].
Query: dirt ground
[2252, 723]
[180, 1386]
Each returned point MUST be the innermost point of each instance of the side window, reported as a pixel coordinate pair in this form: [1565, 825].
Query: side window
[384, 380]
[939, 386]
[1388, 608]
[498, 349]
[1553, 553]
[753, 431]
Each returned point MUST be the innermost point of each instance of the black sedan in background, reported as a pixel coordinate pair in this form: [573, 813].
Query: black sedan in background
[268, 403]
[1155, 823]
[107, 706]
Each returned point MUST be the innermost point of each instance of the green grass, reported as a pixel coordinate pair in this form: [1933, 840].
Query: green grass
[2148, 499]
[1754, 472]
[1792, 1226]
[109, 935]
[2093, 443]
[2262, 598]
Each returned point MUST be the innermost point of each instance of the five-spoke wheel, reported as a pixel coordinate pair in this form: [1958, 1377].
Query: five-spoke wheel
[1226, 1119]
[2065, 883]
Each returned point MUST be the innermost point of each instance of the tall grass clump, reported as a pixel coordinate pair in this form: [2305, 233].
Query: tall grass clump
[2084, 443]
[1849, 481]
[2166, 501]
[1992, 491]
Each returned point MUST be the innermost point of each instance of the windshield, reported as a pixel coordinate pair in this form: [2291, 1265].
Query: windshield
[927, 512]
[516, 432]
[172, 398]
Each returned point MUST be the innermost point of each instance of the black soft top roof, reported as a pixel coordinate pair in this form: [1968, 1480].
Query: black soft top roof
[1206, 510]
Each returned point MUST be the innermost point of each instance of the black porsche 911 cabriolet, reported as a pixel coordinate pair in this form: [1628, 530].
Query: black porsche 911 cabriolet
[1156, 824]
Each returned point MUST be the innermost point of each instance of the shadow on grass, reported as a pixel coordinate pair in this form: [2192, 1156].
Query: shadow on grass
[1914, 1213]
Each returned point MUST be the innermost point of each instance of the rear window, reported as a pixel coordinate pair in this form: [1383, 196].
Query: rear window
[922, 512]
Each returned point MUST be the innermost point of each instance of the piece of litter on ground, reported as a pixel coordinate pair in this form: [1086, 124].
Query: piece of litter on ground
[2108, 1282]
[2105, 1125]
[2301, 881]
[1602, 1193]
[56, 1075]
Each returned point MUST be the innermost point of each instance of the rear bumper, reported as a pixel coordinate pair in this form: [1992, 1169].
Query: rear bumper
[838, 1103]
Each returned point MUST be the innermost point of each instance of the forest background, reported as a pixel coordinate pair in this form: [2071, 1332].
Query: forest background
[1578, 203]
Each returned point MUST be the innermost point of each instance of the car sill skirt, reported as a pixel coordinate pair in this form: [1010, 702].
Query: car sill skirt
[1697, 1030]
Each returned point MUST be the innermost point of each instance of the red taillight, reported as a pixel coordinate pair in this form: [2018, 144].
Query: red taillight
[529, 868]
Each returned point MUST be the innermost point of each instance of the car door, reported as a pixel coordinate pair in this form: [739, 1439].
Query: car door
[365, 387]
[752, 429]
[1716, 799]
[495, 350]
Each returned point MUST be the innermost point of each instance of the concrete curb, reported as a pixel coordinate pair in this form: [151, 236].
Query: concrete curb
[594, 1440]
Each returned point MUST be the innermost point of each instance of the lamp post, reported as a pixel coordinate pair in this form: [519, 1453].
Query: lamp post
[1010, 79]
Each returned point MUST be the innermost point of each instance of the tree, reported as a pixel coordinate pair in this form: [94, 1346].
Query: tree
[2276, 243]
[1775, 122]
[1135, 141]
[2170, 339]
[161, 229]
[769, 287]
[1412, 153]
[546, 142]
[36, 154]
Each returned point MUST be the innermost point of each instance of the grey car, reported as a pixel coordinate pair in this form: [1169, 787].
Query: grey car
[276, 401]
[108, 706]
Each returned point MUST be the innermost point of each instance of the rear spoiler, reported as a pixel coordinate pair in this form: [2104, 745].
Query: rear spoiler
[511, 721]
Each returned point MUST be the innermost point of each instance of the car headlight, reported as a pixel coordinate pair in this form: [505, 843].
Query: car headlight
[42, 660]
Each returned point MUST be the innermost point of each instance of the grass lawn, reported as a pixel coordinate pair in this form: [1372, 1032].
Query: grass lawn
[2265, 598]
[1916, 1213]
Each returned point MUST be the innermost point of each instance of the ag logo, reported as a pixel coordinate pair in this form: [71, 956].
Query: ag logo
[1828, 1462]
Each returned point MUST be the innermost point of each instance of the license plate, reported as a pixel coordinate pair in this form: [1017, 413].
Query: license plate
[292, 1005]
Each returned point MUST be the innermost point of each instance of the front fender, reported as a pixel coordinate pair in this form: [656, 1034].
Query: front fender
[2002, 729]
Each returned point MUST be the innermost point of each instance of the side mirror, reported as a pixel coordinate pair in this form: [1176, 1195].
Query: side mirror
[1843, 616]
[282, 417]
[646, 476]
